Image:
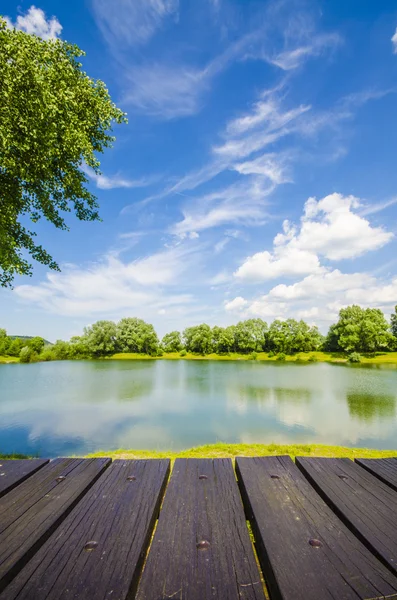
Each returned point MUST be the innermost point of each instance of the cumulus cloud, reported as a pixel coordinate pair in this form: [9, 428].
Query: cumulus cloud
[319, 297]
[132, 21]
[329, 228]
[34, 22]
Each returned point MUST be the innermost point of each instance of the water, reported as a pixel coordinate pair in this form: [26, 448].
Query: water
[63, 408]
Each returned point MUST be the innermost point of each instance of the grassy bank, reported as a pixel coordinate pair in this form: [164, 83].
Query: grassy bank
[301, 357]
[8, 359]
[379, 358]
[233, 450]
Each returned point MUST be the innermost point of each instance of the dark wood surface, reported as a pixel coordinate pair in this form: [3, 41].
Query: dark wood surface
[83, 530]
[117, 516]
[305, 551]
[14, 472]
[31, 512]
[201, 548]
[365, 504]
[384, 469]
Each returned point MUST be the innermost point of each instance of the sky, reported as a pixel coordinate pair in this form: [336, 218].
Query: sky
[256, 177]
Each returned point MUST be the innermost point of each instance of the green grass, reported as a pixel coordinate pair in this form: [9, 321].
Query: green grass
[8, 359]
[14, 456]
[233, 450]
[332, 357]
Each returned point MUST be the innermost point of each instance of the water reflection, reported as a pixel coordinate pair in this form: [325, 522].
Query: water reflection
[71, 408]
[368, 407]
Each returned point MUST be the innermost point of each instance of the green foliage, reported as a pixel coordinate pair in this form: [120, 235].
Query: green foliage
[362, 330]
[393, 327]
[183, 352]
[282, 356]
[312, 358]
[37, 344]
[198, 339]
[291, 336]
[331, 343]
[253, 355]
[250, 336]
[223, 339]
[15, 347]
[100, 338]
[27, 355]
[354, 357]
[271, 354]
[53, 117]
[134, 335]
[172, 342]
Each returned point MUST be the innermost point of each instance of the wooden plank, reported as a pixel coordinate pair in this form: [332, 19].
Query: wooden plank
[14, 472]
[384, 469]
[365, 504]
[31, 512]
[201, 548]
[305, 551]
[98, 550]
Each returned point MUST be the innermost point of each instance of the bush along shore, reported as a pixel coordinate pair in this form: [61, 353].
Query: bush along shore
[360, 335]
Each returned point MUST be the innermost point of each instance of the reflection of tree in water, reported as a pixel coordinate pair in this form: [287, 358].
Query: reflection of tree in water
[262, 395]
[116, 380]
[367, 407]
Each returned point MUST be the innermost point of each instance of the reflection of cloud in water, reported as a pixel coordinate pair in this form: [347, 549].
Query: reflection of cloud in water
[84, 406]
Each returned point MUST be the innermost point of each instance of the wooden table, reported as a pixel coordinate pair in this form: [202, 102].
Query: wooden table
[93, 529]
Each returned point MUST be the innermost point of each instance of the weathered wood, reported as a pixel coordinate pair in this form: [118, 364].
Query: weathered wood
[31, 512]
[305, 551]
[98, 551]
[384, 469]
[14, 472]
[201, 548]
[365, 504]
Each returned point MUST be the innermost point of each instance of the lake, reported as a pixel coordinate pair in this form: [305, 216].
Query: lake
[63, 408]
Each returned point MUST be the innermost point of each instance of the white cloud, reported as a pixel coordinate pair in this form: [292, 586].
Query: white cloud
[166, 91]
[293, 58]
[104, 182]
[132, 21]
[236, 305]
[328, 228]
[111, 285]
[288, 263]
[35, 22]
[319, 297]
[394, 42]
[241, 203]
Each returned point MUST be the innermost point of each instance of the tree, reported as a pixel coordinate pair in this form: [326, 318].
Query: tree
[223, 339]
[172, 342]
[53, 117]
[37, 344]
[15, 347]
[362, 330]
[134, 335]
[198, 339]
[393, 325]
[27, 354]
[250, 335]
[100, 338]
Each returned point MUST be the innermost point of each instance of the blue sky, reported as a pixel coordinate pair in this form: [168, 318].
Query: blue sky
[256, 177]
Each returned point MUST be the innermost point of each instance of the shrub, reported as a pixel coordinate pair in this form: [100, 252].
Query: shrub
[253, 356]
[281, 356]
[27, 355]
[47, 355]
[271, 354]
[183, 352]
[354, 357]
[312, 358]
[160, 352]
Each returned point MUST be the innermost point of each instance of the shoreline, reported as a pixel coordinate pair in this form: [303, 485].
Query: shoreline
[380, 358]
[223, 450]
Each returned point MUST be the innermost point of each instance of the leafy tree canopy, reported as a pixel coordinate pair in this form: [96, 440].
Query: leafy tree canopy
[53, 117]
[134, 335]
[172, 342]
[362, 330]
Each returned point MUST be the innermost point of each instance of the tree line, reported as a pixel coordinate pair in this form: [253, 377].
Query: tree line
[358, 330]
